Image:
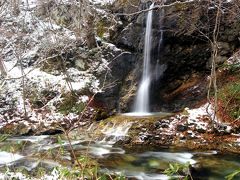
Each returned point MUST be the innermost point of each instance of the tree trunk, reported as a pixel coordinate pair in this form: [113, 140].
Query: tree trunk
[86, 24]
[15, 7]
[2, 68]
[90, 31]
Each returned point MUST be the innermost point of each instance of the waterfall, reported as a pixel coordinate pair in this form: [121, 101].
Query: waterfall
[142, 99]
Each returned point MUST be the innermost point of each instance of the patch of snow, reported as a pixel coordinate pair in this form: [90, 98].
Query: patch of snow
[84, 99]
[41, 81]
[46, 80]
[29, 3]
[13, 71]
[6, 157]
[192, 134]
[38, 35]
[194, 115]
[55, 175]
[112, 47]
[13, 175]
[102, 2]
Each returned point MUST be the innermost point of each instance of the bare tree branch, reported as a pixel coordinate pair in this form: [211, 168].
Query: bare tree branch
[155, 8]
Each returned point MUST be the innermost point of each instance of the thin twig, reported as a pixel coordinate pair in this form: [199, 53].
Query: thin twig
[155, 8]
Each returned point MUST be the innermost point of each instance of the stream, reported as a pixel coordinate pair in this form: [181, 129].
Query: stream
[148, 163]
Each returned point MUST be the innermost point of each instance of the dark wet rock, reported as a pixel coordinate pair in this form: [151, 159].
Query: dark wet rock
[157, 124]
[129, 37]
[166, 121]
[19, 128]
[191, 135]
[201, 130]
[223, 129]
[126, 140]
[120, 64]
[157, 137]
[182, 127]
[182, 137]
[144, 137]
[164, 125]
[100, 115]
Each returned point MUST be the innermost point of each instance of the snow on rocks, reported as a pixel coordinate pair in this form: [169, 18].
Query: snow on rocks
[13, 175]
[195, 117]
[27, 42]
[6, 157]
[102, 2]
[54, 175]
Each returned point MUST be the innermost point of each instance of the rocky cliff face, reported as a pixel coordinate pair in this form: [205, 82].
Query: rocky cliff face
[184, 56]
[54, 75]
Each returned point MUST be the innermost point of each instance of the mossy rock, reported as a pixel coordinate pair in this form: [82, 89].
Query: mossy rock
[101, 28]
[100, 115]
[15, 129]
[70, 104]
[38, 98]
[52, 65]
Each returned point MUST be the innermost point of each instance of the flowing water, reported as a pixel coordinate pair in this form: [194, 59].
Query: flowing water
[138, 162]
[141, 105]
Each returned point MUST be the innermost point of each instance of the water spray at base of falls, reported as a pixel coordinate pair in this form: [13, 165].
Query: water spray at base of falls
[141, 105]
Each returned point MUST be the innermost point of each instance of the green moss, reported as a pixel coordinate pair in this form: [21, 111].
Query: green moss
[181, 7]
[101, 28]
[100, 115]
[229, 96]
[38, 98]
[233, 69]
[70, 104]
[52, 64]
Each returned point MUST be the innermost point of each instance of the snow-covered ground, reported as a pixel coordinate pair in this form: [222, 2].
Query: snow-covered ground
[25, 40]
[102, 2]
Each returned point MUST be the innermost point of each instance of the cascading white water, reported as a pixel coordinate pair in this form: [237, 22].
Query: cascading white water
[141, 105]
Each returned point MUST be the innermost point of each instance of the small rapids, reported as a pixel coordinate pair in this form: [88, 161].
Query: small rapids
[33, 152]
